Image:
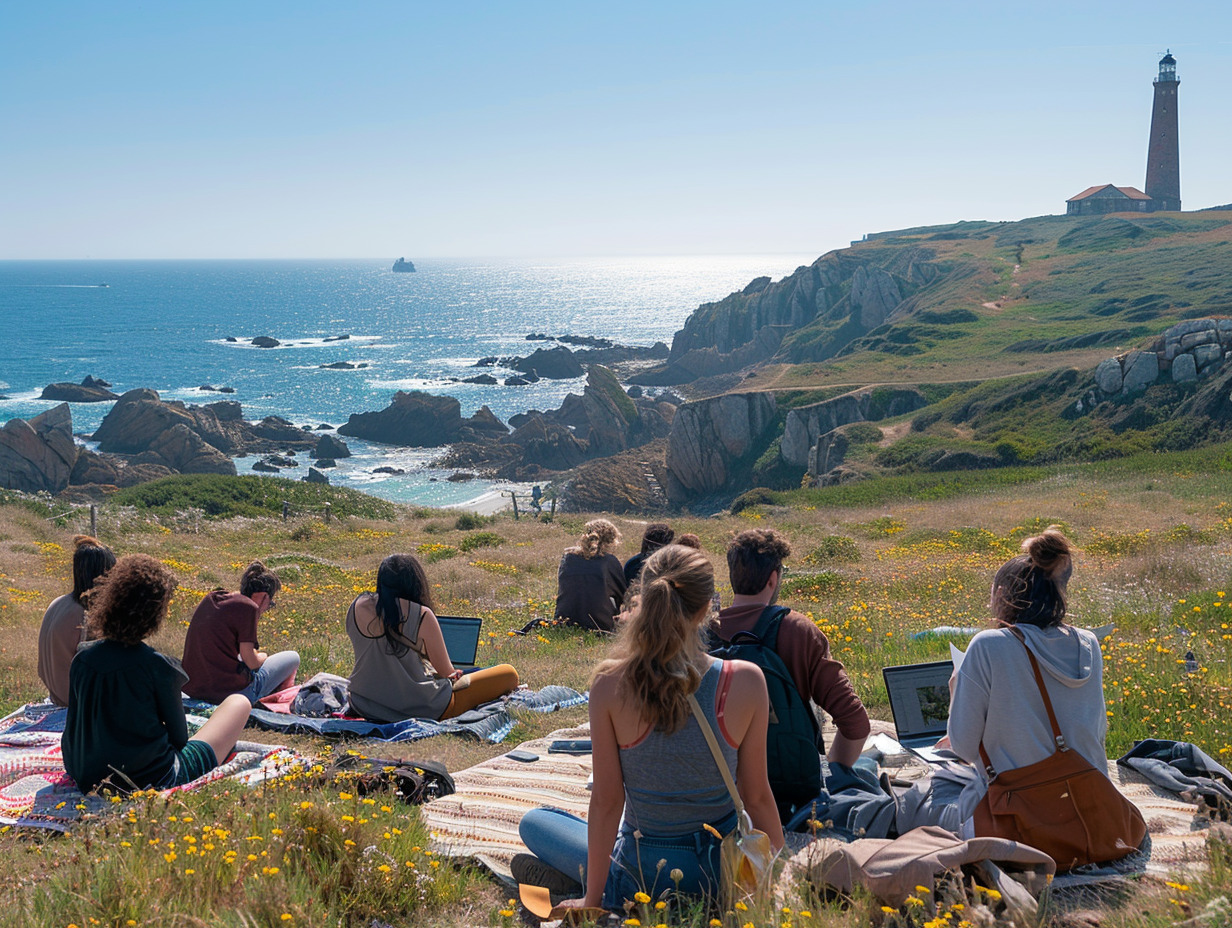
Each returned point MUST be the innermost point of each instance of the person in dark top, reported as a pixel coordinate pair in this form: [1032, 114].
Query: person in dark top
[125, 723]
[657, 535]
[590, 581]
[63, 628]
[221, 655]
[755, 565]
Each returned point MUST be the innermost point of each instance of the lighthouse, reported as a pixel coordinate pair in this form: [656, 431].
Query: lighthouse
[1163, 159]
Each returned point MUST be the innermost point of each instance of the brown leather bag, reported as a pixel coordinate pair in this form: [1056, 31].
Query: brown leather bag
[1060, 805]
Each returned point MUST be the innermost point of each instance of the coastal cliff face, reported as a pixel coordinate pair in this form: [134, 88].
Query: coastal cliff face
[713, 442]
[38, 456]
[843, 295]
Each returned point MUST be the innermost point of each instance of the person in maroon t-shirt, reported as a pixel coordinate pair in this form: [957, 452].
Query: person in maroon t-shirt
[221, 654]
[755, 566]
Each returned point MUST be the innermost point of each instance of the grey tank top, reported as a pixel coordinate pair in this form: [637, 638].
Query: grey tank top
[386, 687]
[672, 784]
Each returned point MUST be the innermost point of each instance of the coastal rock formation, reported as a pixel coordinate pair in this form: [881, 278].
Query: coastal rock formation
[331, 446]
[1186, 352]
[419, 420]
[713, 441]
[90, 390]
[266, 341]
[344, 366]
[553, 363]
[315, 476]
[38, 455]
[403, 266]
[183, 450]
[136, 421]
[807, 424]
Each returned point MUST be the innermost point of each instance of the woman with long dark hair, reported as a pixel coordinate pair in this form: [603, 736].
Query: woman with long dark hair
[659, 798]
[394, 631]
[64, 622]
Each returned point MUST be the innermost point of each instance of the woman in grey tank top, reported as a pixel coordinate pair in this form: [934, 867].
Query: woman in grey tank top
[658, 799]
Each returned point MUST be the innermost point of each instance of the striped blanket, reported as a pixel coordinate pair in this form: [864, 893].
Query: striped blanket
[35, 791]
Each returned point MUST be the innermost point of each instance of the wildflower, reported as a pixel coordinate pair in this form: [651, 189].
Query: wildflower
[286, 916]
[641, 897]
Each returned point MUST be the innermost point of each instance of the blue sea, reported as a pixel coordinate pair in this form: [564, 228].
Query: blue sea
[165, 325]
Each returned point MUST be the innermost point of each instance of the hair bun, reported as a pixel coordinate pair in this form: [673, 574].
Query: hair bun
[1050, 551]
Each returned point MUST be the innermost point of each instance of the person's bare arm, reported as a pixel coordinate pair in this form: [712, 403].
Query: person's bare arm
[748, 689]
[434, 643]
[607, 794]
[252, 658]
[844, 750]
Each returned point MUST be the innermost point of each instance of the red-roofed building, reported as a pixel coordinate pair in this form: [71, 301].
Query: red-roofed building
[1107, 198]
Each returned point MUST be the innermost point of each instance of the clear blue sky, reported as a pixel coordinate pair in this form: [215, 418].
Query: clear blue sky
[377, 129]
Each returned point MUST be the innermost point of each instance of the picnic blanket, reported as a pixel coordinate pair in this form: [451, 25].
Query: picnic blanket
[481, 819]
[490, 722]
[35, 791]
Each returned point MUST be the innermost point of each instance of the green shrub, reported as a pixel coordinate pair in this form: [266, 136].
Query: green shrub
[833, 549]
[863, 433]
[470, 520]
[219, 496]
[480, 540]
[758, 496]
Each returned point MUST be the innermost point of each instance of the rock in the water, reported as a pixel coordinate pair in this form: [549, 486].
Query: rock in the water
[344, 366]
[231, 338]
[336, 338]
[324, 463]
[517, 381]
[486, 379]
[88, 391]
[276, 461]
[314, 476]
[38, 455]
[264, 468]
[266, 341]
[403, 266]
[415, 419]
[555, 364]
[226, 410]
[489, 361]
[386, 469]
[97, 382]
[187, 452]
[460, 476]
[331, 446]
[136, 421]
[323, 427]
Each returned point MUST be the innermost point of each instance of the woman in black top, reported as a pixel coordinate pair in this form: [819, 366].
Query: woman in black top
[591, 580]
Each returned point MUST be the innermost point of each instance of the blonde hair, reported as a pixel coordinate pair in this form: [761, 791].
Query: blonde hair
[658, 658]
[599, 538]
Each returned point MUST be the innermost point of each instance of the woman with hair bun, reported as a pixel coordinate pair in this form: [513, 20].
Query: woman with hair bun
[658, 797]
[996, 700]
[591, 583]
[64, 622]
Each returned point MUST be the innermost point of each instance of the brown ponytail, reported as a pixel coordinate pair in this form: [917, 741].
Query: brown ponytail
[1030, 589]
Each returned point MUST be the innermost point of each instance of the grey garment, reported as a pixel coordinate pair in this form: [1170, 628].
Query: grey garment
[1184, 768]
[389, 687]
[938, 800]
[323, 696]
[589, 590]
[672, 784]
[997, 700]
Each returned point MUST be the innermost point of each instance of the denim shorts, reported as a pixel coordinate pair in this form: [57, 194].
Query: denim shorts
[196, 759]
[645, 864]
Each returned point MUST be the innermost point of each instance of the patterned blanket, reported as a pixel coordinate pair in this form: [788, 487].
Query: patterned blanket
[481, 819]
[35, 791]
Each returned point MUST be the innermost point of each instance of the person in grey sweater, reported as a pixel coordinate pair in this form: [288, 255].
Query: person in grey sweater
[995, 696]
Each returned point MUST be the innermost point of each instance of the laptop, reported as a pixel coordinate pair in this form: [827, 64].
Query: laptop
[461, 634]
[920, 701]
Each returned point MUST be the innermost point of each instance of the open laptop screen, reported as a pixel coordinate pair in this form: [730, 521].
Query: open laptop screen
[919, 698]
[461, 638]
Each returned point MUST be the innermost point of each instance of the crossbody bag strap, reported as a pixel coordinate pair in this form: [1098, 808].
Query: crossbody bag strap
[1057, 737]
[711, 740]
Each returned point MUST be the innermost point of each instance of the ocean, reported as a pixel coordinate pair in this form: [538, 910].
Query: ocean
[165, 325]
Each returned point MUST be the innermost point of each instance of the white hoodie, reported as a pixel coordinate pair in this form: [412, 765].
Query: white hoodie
[997, 700]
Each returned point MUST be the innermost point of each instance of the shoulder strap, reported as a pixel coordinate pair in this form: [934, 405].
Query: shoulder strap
[711, 740]
[767, 627]
[1039, 681]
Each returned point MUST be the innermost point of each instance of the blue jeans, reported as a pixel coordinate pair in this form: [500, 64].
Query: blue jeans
[642, 864]
[275, 674]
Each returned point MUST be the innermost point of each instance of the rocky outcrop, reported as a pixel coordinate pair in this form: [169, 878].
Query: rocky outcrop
[331, 446]
[806, 425]
[315, 476]
[874, 295]
[38, 455]
[1186, 352]
[183, 450]
[712, 441]
[553, 363]
[403, 266]
[419, 420]
[137, 420]
[266, 341]
[90, 390]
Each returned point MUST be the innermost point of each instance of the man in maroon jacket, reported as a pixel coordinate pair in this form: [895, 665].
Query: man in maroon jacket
[755, 565]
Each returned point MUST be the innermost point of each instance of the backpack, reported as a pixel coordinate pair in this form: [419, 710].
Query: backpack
[792, 756]
[413, 781]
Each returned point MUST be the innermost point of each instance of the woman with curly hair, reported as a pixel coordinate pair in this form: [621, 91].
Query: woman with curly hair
[659, 799]
[126, 722]
[590, 583]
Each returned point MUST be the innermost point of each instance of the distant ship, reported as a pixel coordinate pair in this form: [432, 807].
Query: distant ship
[403, 266]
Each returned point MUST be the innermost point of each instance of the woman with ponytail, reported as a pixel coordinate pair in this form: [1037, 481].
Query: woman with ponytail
[591, 581]
[996, 699]
[394, 631]
[658, 799]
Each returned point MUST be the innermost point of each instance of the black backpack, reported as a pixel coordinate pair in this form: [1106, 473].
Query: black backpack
[413, 781]
[792, 756]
